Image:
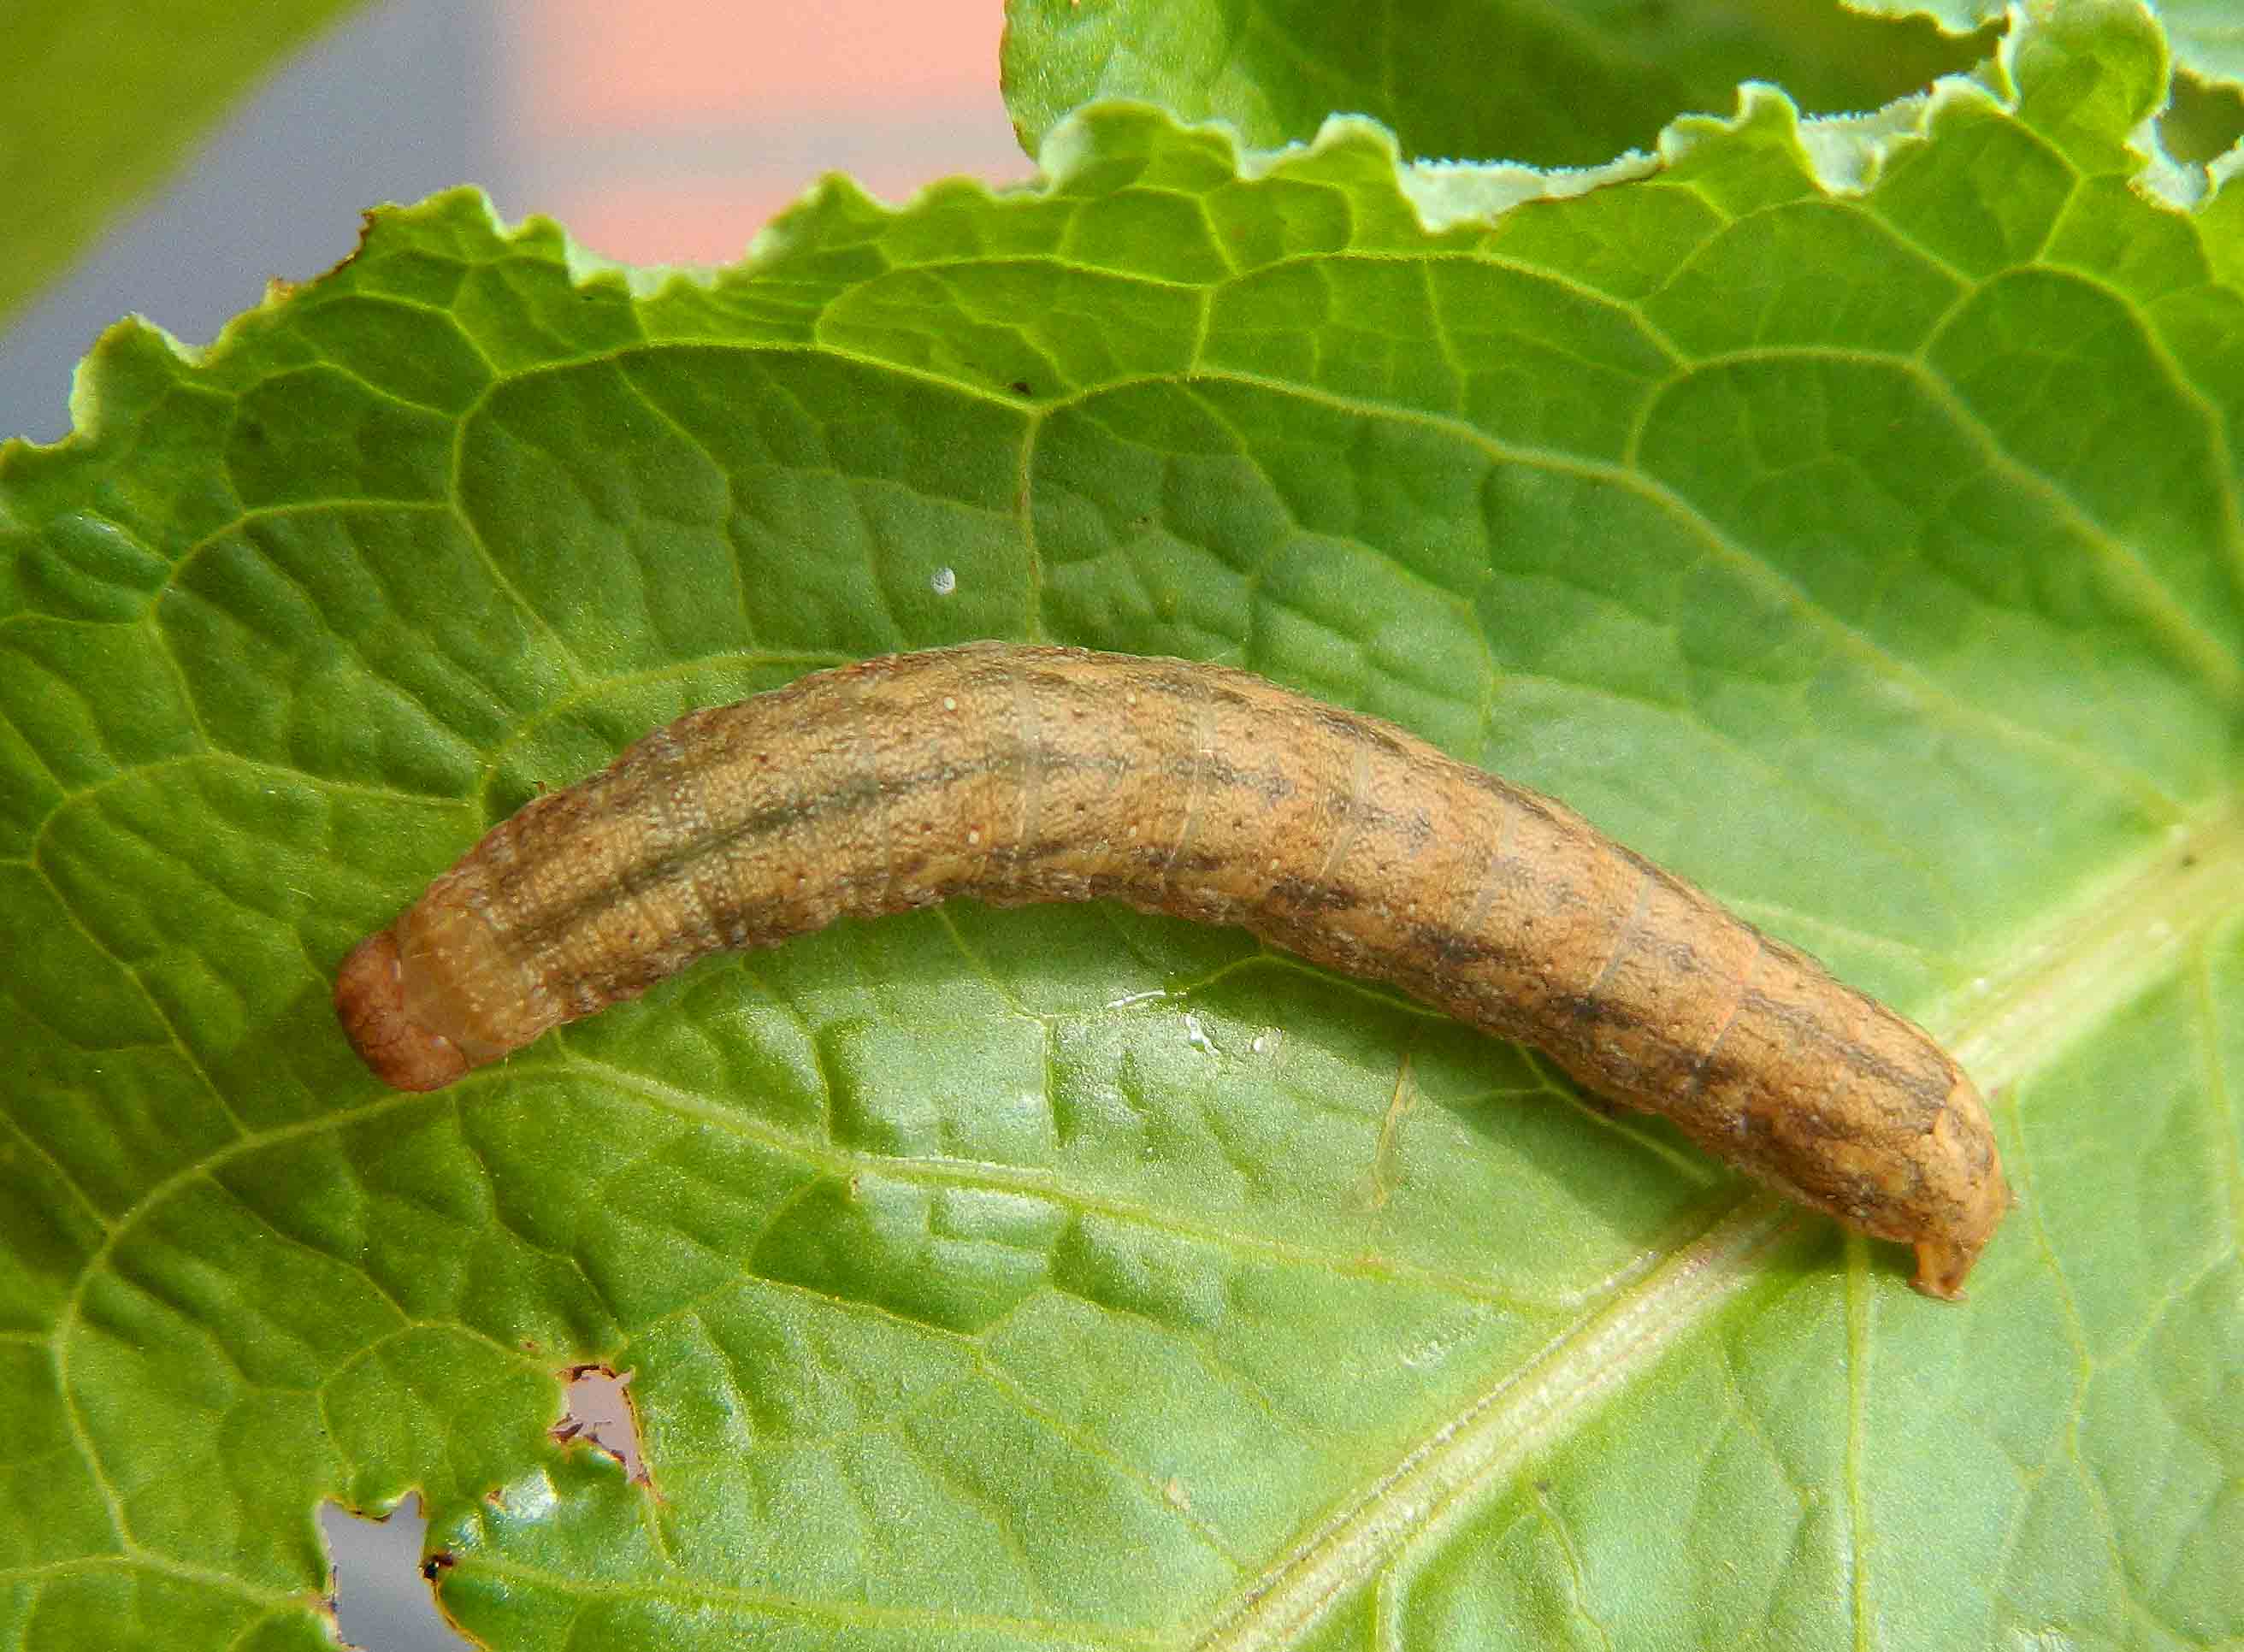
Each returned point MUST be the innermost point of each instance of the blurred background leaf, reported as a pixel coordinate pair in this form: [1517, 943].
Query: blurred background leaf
[1571, 84]
[104, 99]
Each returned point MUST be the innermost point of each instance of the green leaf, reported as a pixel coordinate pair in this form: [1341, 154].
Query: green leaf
[99, 100]
[2204, 34]
[1067, 1277]
[1566, 85]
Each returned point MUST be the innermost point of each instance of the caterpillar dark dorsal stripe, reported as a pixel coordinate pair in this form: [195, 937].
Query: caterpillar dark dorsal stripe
[1018, 774]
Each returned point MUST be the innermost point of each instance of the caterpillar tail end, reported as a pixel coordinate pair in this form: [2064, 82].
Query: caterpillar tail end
[1941, 1265]
[1961, 1196]
[370, 1003]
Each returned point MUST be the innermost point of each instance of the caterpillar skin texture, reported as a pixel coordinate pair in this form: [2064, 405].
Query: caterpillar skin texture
[1017, 774]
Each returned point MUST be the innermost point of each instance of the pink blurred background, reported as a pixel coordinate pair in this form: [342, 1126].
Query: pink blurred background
[670, 129]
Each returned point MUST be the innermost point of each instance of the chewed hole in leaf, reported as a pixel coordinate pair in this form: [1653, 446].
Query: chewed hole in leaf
[382, 1589]
[600, 1414]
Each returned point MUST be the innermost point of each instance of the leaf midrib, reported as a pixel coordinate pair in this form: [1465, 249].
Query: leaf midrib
[1493, 1434]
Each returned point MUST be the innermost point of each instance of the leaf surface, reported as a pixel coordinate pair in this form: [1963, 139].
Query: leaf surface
[1069, 1277]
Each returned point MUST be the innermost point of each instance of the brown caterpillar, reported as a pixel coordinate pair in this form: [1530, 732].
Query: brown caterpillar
[1017, 774]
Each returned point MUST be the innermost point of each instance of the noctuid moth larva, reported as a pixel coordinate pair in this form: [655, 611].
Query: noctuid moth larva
[1017, 774]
